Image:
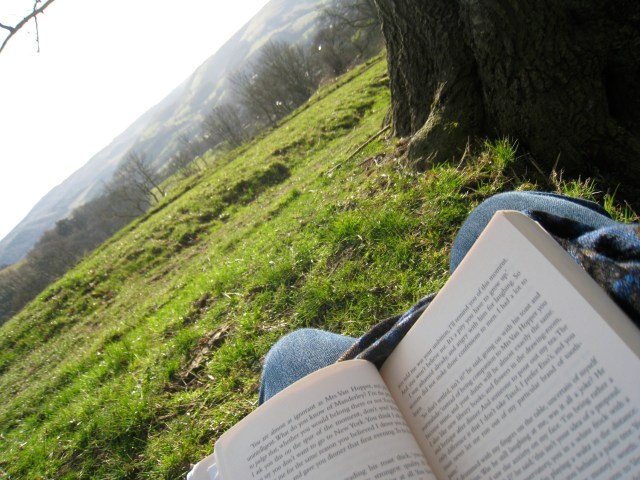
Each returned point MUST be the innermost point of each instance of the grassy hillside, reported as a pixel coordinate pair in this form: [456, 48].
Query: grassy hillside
[137, 360]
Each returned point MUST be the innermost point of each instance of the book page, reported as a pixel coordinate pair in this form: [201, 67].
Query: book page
[339, 423]
[510, 373]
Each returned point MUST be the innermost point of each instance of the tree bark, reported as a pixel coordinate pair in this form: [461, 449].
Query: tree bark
[563, 78]
[435, 94]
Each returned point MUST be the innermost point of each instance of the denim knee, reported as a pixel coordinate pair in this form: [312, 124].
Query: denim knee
[298, 354]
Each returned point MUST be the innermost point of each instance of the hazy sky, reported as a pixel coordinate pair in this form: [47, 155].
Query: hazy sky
[102, 63]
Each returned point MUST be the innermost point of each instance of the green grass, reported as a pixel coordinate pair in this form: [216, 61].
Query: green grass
[137, 360]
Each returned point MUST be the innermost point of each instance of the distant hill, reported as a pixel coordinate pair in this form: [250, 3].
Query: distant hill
[157, 131]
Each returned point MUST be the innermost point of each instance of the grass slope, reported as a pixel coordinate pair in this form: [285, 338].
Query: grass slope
[137, 360]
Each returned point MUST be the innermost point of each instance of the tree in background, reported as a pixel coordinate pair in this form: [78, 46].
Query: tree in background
[291, 71]
[224, 125]
[193, 147]
[335, 51]
[16, 289]
[561, 77]
[58, 250]
[136, 184]
[183, 164]
[348, 33]
[188, 160]
[282, 79]
[254, 99]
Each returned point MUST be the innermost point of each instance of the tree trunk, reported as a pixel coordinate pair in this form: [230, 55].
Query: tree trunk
[563, 78]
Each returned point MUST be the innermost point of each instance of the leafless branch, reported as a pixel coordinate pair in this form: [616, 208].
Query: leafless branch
[7, 27]
[37, 10]
[35, 21]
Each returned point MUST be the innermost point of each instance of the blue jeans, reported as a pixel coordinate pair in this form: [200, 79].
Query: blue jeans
[305, 351]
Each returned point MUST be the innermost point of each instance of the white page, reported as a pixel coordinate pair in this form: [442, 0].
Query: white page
[531, 383]
[337, 423]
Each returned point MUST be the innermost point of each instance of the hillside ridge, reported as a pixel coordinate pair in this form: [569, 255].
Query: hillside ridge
[156, 132]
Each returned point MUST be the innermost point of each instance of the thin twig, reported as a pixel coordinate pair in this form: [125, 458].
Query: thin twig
[35, 21]
[537, 167]
[7, 27]
[23, 22]
[361, 147]
[369, 140]
[465, 153]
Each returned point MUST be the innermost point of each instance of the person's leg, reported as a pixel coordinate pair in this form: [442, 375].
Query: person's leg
[583, 211]
[298, 354]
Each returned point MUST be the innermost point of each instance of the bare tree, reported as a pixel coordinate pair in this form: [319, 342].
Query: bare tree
[188, 159]
[257, 100]
[39, 6]
[334, 49]
[183, 164]
[191, 145]
[357, 21]
[224, 124]
[289, 71]
[282, 79]
[136, 183]
[357, 14]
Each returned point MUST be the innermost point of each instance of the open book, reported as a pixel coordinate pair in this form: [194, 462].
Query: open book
[521, 367]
